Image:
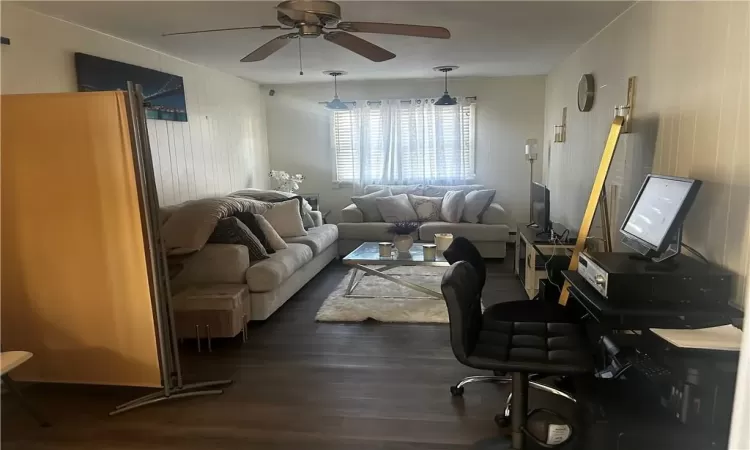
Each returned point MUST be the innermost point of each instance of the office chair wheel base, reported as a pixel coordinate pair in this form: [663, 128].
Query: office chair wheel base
[502, 421]
[457, 391]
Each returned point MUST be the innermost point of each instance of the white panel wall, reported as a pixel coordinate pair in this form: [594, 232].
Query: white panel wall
[509, 111]
[691, 111]
[222, 147]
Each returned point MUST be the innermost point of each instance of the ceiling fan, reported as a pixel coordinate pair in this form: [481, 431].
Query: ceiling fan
[313, 18]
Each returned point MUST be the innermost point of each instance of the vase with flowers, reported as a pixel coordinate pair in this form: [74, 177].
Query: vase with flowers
[286, 182]
[402, 234]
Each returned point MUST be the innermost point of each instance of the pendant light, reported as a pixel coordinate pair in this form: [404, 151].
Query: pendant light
[336, 104]
[446, 99]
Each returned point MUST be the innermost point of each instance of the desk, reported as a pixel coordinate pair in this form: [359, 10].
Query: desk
[531, 253]
[644, 315]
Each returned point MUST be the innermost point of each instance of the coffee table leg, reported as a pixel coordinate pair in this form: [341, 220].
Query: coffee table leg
[350, 288]
[416, 287]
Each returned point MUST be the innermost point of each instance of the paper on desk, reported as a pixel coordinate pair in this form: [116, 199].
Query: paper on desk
[725, 337]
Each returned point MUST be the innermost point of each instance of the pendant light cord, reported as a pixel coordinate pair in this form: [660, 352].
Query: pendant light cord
[446, 80]
[335, 87]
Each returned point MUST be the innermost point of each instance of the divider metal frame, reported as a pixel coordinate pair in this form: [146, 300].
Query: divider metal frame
[156, 261]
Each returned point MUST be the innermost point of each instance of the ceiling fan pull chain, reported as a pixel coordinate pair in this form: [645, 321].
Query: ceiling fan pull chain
[300, 55]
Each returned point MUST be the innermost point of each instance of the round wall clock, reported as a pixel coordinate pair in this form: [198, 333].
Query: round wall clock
[586, 92]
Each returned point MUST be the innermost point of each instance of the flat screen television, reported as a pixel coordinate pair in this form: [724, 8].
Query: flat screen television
[540, 207]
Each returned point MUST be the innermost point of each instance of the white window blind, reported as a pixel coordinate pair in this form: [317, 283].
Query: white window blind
[398, 143]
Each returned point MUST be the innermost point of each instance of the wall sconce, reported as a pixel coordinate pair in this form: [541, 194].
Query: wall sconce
[560, 129]
[626, 111]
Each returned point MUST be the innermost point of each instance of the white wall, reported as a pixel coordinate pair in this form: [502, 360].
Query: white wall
[222, 147]
[509, 111]
[691, 111]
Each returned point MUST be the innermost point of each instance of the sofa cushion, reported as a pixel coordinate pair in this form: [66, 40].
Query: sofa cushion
[267, 275]
[285, 218]
[318, 238]
[476, 204]
[496, 215]
[274, 240]
[440, 191]
[452, 208]
[366, 204]
[427, 208]
[251, 222]
[396, 208]
[351, 214]
[471, 231]
[414, 189]
[231, 230]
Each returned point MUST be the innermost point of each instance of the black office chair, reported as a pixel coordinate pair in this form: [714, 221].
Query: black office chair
[520, 348]
[461, 249]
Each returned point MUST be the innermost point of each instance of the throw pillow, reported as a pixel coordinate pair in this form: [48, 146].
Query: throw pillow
[453, 206]
[307, 220]
[396, 208]
[231, 230]
[285, 218]
[274, 240]
[427, 208]
[476, 204]
[368, 206]
[252, 224]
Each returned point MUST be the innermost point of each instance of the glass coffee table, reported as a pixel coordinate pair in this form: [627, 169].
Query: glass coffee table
[368, 254]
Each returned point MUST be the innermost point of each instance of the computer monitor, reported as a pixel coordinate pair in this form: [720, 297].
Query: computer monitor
[653, 226]
[540, 207]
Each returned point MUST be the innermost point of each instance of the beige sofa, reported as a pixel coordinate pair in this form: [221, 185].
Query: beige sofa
[490, 236]
[272, 281]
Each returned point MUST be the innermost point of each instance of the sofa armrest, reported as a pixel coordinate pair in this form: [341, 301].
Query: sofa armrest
[214, 264]
[351, 214]
[495, 215]
[317, 218]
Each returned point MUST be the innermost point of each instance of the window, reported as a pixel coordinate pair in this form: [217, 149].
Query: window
[404, 142]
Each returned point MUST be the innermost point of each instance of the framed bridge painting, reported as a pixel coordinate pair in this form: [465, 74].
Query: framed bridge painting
[164, 93]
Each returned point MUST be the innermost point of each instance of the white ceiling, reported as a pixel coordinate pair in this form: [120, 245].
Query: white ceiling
[488, 38]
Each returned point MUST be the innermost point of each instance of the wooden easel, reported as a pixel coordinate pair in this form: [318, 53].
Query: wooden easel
[597, 195]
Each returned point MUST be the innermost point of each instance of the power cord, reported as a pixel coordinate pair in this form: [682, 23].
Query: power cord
[546, 264]
[695, 252]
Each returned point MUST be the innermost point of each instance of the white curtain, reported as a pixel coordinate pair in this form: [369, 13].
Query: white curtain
[412, 142]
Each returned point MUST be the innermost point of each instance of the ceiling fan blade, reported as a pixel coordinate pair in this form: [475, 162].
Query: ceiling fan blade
[262, 27]
[359, 46]
[269, 48]
[396, 28]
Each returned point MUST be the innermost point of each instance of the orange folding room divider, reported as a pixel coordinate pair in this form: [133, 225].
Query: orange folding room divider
[75, 282]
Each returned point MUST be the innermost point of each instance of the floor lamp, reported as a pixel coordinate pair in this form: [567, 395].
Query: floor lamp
[531, 156]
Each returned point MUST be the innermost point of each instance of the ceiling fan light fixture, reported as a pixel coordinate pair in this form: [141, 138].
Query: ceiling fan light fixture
[446, 99]
[336, 104]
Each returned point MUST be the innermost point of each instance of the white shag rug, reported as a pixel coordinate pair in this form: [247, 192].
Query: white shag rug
[378, 299]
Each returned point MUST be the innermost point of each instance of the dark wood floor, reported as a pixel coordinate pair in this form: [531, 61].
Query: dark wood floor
[298, 384]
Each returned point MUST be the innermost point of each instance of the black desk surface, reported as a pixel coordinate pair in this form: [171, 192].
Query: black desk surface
[648, 315]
